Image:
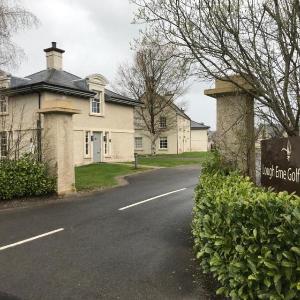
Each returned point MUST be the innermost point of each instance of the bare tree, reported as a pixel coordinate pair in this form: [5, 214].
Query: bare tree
[13, 18]
[17, 136]
[156, 78]
[258, 40]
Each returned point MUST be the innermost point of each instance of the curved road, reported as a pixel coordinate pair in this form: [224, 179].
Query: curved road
[131, 242]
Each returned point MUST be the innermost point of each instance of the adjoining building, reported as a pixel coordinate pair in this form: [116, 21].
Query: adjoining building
[174, 136]
[199, 136]
[103, 131]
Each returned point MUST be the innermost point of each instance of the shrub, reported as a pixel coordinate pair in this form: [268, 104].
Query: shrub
[216, 164]
[247, 237]
[23, 178]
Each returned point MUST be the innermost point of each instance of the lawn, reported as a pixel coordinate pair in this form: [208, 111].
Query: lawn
[173, 160]
[101, 175]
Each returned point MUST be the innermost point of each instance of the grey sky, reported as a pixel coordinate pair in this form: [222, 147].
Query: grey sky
[96, 35]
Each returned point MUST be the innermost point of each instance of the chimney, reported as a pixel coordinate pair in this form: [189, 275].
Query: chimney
[54, 57]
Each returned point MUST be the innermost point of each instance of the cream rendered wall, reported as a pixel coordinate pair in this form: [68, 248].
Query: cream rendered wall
[21, 121]
[117, 120]
[172, 142]
[178, 138]
[184, 134]
[199, 140]
[22, 112]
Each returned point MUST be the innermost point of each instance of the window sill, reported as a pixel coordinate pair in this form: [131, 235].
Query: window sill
[163, 149]
[139, 149]
[4, 114]
[96, 115]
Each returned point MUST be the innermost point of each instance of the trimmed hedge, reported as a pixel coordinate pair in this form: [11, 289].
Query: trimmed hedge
[24, 178]
[247, 237]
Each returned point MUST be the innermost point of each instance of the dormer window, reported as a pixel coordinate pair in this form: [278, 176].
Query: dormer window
[97, 104]
[3, 104]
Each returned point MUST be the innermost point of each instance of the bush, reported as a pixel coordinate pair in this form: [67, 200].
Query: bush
[247, 237]
[216, 164]
[23, 178]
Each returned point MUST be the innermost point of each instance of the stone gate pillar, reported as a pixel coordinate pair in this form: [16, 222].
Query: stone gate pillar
[57, 143]
[235, 124]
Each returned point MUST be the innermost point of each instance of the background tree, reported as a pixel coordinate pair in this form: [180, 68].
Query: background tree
[156, 78]
[258, 40]
[13, 18]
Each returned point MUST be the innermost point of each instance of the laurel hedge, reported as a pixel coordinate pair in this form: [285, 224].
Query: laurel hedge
[247, 237]
[25, 177]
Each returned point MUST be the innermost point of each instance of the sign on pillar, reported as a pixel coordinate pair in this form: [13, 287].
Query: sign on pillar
[280, 164]
[57, 144]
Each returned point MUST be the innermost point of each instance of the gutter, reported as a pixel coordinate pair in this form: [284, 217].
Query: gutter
[44, 86]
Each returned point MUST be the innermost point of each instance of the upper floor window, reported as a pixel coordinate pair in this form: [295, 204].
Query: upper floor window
[163, 122]
[96, 104]
[3, 104]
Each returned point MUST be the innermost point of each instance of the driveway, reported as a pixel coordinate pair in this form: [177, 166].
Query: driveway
[132, 242]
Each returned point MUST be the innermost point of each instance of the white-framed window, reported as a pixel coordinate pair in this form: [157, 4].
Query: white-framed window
[138, 142]
[163, 122]
[3, 104]
[97, 104]
[163, 143]
[106, 143]
[3, 144]
[87, 144]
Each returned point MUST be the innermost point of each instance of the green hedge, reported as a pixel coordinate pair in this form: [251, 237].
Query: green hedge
[248, 238]
[24, 178]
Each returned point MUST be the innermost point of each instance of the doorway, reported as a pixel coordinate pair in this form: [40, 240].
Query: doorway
[97, 145]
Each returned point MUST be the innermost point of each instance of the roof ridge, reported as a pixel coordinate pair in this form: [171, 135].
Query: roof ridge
[72, 74]
[53, 70]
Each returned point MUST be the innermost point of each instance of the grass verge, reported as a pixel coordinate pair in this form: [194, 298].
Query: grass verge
[174, 160]
[102, 175]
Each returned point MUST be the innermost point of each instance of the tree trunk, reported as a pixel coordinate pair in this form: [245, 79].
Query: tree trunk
[153, 145]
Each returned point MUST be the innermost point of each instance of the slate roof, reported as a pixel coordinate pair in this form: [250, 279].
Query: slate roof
[180, 111]
[198, 126]
[64, 82]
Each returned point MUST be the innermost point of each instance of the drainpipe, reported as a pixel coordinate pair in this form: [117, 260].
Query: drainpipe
[177, 136]
[39, 130]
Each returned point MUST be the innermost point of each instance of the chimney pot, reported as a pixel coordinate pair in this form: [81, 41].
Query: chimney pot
[53, 44]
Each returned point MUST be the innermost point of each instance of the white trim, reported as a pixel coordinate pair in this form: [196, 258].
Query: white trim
[107, 143]
[89, 155]
[104, 129]
[100, 95]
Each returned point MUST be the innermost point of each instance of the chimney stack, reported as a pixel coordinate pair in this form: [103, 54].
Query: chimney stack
[54, 57]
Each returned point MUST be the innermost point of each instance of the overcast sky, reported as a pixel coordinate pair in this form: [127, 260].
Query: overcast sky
[96, 36]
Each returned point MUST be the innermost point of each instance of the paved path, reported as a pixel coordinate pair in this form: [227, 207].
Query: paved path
[90, 249]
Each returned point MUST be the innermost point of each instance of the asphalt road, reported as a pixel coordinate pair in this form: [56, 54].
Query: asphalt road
[94, 250]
